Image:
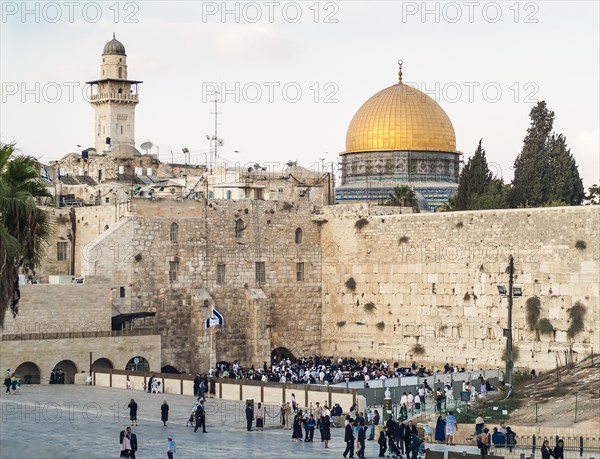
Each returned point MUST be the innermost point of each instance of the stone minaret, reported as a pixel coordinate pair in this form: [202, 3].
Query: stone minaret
[114, 98]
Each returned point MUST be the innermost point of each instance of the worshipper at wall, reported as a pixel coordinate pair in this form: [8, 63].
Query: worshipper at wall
[440, 430]
[326, 431]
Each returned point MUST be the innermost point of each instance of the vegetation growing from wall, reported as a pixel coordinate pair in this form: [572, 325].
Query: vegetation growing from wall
[580, 245]
[576, 316]
[417, 349]
[370, 308]
[533, 305]
[350, 284]
[545, 327]
[361, 223]
[380, 325]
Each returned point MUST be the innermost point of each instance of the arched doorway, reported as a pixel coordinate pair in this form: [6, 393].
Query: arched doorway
[29, 373]
[280, 353]
[102, 363]
[138, 363]
[170, 369]
[69, 369]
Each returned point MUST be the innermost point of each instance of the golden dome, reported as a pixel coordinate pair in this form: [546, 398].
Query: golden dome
[400, 118]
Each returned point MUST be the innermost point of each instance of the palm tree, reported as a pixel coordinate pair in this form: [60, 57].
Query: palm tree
[403, 196]
[24, 227]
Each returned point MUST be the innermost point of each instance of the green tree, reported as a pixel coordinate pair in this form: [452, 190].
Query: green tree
[593, 196]
[403, 196]
[24, 226]
[477, 188]
[545, 170]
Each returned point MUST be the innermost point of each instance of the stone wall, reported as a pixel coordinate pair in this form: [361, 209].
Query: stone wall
[431, 280]
[62, 308]
[89, 223]
[259, 316]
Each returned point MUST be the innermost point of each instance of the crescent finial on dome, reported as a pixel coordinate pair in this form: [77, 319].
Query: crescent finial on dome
[400, 62]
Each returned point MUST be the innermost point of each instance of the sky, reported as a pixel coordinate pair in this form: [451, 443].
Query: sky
[292, 74]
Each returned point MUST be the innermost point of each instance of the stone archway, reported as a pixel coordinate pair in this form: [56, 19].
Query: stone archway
[69, 368]
[281, 353]
[102, 363]
[29, 373]
[138, 363]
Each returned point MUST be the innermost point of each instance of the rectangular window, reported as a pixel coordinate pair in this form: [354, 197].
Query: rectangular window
[299, 272]
[122, 292]
[260, 271]
[61, 251]
[173, 268]
[221, 273]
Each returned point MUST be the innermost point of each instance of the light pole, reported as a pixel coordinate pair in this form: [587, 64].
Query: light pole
[510, 293]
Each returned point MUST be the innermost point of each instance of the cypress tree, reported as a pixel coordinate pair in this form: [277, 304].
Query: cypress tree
[477, 189]
[545, 170]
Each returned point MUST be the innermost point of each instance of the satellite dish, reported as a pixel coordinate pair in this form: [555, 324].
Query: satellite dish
[147, 146]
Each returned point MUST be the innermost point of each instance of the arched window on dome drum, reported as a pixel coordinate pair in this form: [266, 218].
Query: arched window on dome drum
[239, 228]
[173, 232]
[298, 236]
[120, 72]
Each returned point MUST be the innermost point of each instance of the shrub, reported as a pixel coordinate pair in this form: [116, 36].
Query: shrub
[350, 284]
[580, 245]
[380, 325]
[418, 349]
[361, 223]
[370, 307]
[533, 305]
[545, 327]
[576, 315]
[467, 297]
[138, 257]
[515, 353]
[403, 240]
[459, 225]
[341, 323]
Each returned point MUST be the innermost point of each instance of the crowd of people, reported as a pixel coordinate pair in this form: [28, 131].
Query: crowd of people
[325, 370]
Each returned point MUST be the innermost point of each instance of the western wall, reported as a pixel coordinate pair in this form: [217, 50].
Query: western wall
[426, 284]
[280, 311]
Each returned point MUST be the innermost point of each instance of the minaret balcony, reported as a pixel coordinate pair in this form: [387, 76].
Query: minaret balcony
[115, 96]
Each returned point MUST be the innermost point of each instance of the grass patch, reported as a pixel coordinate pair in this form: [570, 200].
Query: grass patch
[380, 325]
[459, 225]
[403, 240]
[580, 245]
[467, 297]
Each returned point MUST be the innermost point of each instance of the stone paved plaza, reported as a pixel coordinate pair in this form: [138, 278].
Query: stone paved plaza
[81, 421]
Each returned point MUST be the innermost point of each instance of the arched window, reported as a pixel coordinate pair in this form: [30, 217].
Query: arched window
[173, 232]
[298, 237]
[239, 227]
[120, 72]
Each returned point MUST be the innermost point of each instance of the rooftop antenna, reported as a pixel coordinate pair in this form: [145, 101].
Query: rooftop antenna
[215, 142]
[147, 146]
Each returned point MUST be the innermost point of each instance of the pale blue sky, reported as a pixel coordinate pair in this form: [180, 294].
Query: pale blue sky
[176, 52]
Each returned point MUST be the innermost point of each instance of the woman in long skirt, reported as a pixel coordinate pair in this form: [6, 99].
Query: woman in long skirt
[164, 412]
[326, 432]
[297, 432]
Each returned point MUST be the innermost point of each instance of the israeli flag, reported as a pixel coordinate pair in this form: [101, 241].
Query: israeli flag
[215, 319]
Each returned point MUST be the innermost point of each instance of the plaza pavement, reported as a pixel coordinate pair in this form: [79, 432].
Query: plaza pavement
[58, 421]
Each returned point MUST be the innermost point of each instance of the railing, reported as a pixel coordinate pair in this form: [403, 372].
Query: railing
[115, 95]
[582, 445]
